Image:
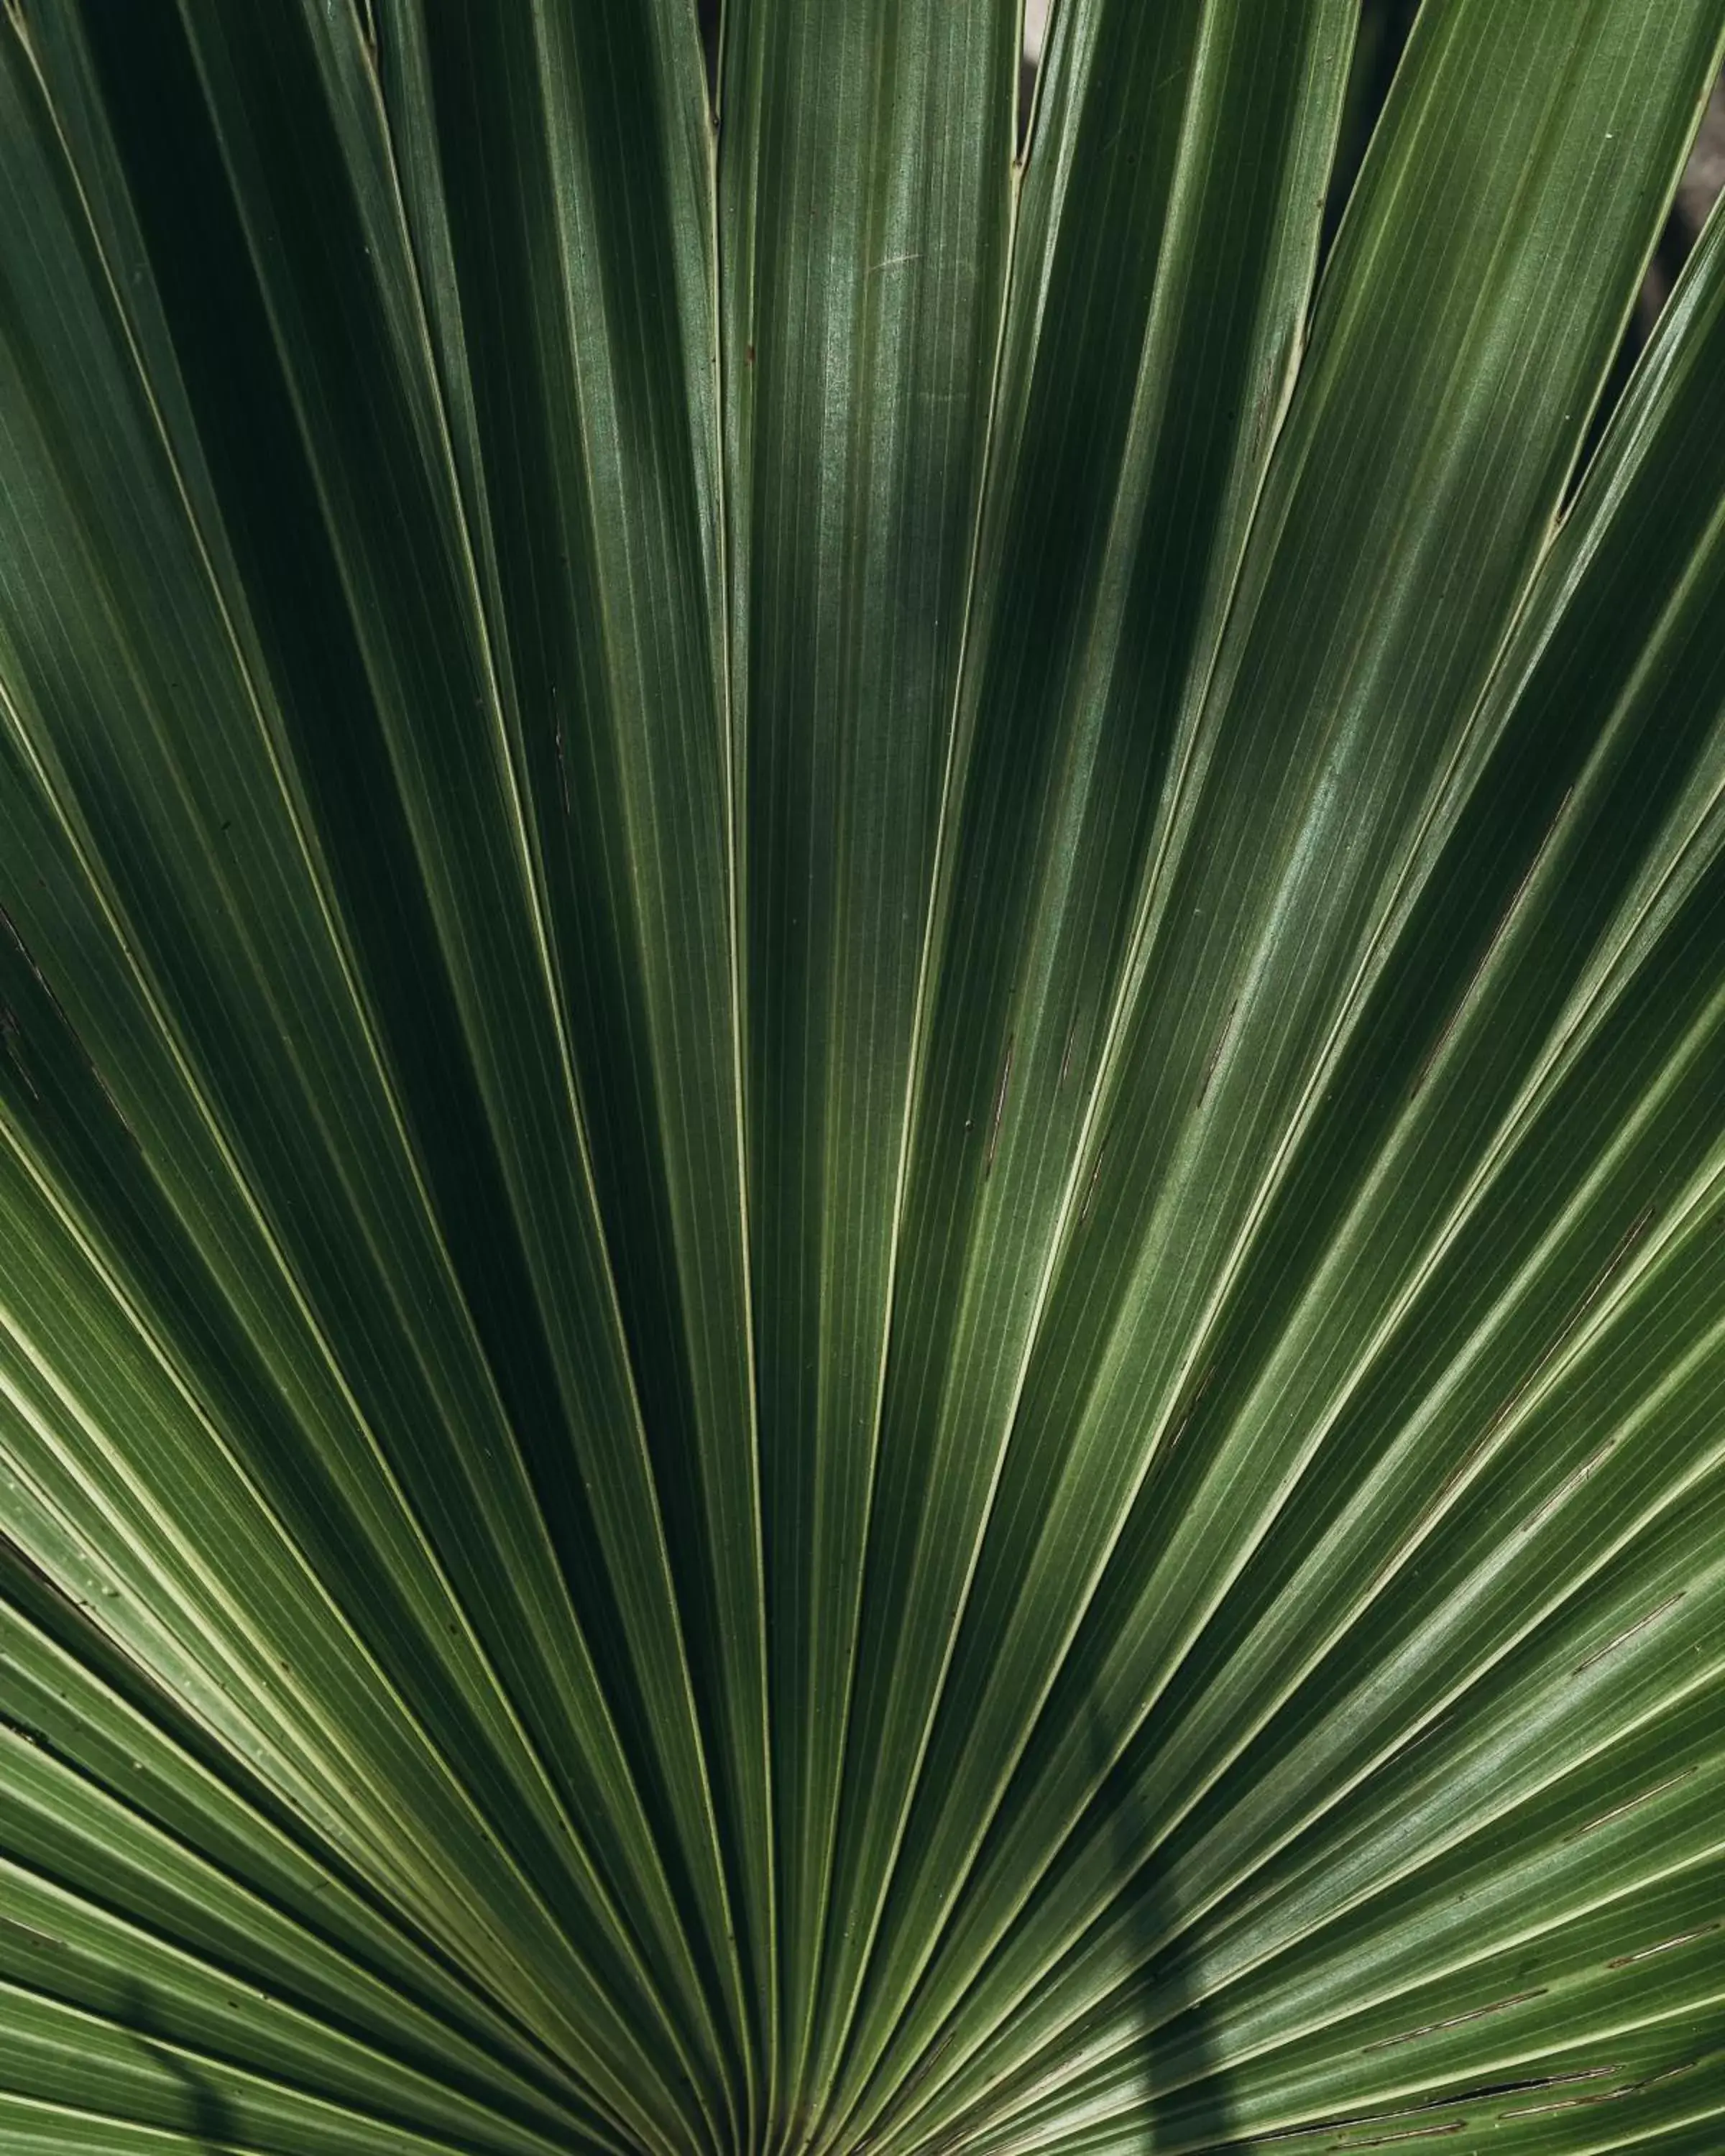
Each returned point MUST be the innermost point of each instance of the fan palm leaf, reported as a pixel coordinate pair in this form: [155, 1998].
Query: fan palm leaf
[862, 1082]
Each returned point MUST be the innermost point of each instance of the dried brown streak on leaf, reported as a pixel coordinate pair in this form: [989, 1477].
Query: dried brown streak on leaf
[1640, 1624]
[1634, 1805]
[1090, 1190]
[1631, 1235]
[1665, 1946]
[1420, 1737]
[1573, 2103]
[1455, 2020]
[1419, 2134]
[1568, 1487]
[1215, 1055]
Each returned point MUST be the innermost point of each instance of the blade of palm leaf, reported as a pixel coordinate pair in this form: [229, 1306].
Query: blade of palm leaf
[1201, 1039]
[14, 956]
[1198, 1956]
[1535, 1732]
[39, 2127]
[1606, 2065]
[1554, 1998]
[456, 782]
[1656, 745]
[1396, 1507]
[1679, 2116]
[863, 209]
[55, 35]
[57, 2048]
[107, 1814]
[1616, 2076]
[83, 1841]
[36, 842]
[1119, 508]
[425, 651]
[1391, 1830]
[1346, 2025]
[1613, 1502]
[132, 2073]
[589, 475]
[127, 1530]
[1391, 1503]
[111, 1015]
[1625, 1801]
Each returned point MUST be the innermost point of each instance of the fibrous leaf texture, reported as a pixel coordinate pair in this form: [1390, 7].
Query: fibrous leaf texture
[862, 1083]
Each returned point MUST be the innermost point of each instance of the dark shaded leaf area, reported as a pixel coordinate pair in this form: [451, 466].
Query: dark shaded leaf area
[862, 1079]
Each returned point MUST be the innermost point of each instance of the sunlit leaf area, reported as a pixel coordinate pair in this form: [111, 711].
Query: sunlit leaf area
[862, 1077]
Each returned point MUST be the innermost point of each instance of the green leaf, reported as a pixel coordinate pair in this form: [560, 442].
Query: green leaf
[865, 203]
[861, 1027]
[1319, 761]
[1131, 435]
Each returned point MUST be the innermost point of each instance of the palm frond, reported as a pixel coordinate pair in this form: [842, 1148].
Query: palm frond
[862, 1031]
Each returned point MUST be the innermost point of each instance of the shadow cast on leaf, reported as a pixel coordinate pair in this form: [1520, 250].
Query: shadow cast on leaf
[1185, 2099]
[206, 2117]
